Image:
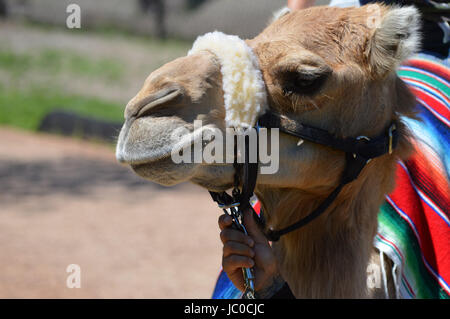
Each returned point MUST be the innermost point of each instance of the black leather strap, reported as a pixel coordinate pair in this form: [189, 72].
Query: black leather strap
[249, 177]
[353, 167]
[371, 148]
[274, 235]
[359, 151]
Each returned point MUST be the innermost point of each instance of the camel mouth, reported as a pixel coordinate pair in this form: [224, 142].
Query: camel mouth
[149, 156]
[167, 139]
[153, 159]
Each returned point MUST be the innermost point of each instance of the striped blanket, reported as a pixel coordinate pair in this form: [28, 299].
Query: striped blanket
[414, 221]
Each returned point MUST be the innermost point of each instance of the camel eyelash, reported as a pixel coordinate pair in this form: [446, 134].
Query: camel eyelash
[302, 83]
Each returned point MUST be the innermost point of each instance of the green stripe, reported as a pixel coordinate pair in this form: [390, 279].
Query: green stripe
[402, 235]
[426, 79]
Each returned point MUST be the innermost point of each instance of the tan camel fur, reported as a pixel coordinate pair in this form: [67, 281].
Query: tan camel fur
[331, 68]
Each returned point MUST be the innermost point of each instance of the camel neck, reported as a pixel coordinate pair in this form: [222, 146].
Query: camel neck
[329, 257]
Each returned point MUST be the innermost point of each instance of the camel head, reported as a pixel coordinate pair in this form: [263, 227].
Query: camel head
[331, 68]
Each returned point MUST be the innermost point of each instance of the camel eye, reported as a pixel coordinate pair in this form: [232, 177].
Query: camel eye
[293, 82]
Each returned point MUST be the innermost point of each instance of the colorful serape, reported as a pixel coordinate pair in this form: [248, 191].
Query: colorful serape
[414, 221]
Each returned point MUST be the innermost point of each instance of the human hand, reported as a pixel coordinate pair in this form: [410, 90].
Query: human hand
[246, 251]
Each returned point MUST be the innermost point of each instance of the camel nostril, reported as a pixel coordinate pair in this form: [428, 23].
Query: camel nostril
[152, 102]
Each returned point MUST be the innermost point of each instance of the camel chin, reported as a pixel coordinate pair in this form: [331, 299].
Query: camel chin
[167, 173]
[214, 177]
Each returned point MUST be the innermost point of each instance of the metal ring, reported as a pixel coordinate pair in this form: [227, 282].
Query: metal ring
[224, 206]
[363, 137]
[392, 128]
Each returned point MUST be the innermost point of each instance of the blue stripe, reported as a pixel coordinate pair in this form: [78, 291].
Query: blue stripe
[437, 95]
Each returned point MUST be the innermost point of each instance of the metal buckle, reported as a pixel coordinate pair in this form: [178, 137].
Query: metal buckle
[224, 206]
[235, 213]
[363, 137]
[359, 138]
[249, 278]
[391, 129]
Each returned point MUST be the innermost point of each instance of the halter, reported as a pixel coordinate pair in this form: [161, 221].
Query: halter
[238, 62]
[358, 151]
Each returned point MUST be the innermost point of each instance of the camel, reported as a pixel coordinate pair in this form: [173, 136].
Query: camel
[332, 68]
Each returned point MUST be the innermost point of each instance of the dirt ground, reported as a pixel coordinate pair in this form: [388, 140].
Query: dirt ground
[66, 201]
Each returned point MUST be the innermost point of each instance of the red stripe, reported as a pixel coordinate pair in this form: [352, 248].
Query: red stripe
[257, 207]
[438, 106]
[430, 66]
[433, 232]
[395, 246]
[415, 82]
[429, 178]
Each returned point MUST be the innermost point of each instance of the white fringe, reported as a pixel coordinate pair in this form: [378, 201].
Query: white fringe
[383, 273]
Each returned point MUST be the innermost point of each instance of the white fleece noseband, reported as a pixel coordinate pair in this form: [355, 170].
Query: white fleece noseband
[243, 86]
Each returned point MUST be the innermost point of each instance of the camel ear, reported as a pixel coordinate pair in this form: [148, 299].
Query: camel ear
[279, 13]
[396, 39]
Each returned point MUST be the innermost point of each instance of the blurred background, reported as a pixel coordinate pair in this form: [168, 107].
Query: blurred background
[63, 197]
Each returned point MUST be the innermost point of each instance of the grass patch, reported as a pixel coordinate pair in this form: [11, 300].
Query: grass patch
[27, 109]
[15, 63]
[54, 61]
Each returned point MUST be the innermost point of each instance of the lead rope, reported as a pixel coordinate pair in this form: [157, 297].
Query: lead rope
[234, 207]
[233, 210]
[238, 221]
[383, 273]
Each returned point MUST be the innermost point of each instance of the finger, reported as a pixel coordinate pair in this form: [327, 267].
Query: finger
[235, 248]
[232, 263]
[225, 221]
[230, 234]
[252, 228]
